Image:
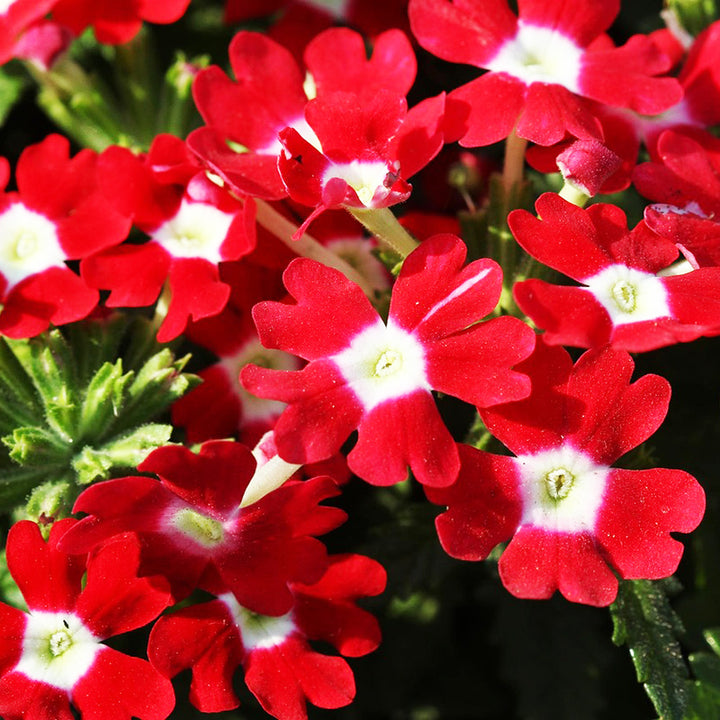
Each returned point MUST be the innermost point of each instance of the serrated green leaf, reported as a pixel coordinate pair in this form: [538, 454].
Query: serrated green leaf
[705, 703]
[645, 622]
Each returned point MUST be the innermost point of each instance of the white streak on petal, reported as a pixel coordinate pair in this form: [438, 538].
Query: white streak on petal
[457, 292]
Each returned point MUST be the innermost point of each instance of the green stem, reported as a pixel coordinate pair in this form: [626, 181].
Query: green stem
[267, 477]
[514, 166]
[385, 227]
[307, 246]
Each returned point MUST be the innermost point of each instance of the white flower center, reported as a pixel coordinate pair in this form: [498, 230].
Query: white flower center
[203, 530]
[57, 649]
[5, 5]
[562, 489]
[198, 230]
[538, 54]
[383, 362]
[629, 295]
[258, 631]
[255, 408]
[28, 244]
[371, 181]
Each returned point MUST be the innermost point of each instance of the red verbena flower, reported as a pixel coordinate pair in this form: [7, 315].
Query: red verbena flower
[377, 377]
[624, 298]
[52, 657]
[57, 214]
[244, 117]
[16, 17]
[116, 21]
[544, 65]
[281, 668]
[301, 20]
[574, 521]
[193, 226]
[194, 531]
[363, 153]
[685, 183]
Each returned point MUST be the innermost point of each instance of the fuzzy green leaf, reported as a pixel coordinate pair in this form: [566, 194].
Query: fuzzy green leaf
[705, 666]
[645, 622]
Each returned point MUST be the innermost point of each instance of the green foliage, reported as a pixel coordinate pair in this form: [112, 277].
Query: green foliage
[705, 702]
[76, 407]
[645, 622]
[12, 85]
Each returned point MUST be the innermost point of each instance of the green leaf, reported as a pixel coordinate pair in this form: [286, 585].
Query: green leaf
[645, 622]
[705, 666]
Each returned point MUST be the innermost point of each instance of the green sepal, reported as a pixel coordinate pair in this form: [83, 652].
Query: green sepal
[48, 361]
[78, 404]
[126, 451]
[644, 621]
[156, 386]
[49, 502]
[35, 447]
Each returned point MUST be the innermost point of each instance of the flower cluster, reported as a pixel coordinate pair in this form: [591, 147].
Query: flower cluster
[347, 330]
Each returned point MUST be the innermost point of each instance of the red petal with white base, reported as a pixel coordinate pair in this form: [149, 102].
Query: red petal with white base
[53, 581]
[326, 682]
[400, 432]
[463, 31]
[24, 699]
[538, 562]
[337, 60]
[210, 646]
[487, 487]
[437, 295]
[475, 364]
[121, 687]
[323, 295]
[323, 410]
[580, 21]
[648, 505]
[327, 611]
